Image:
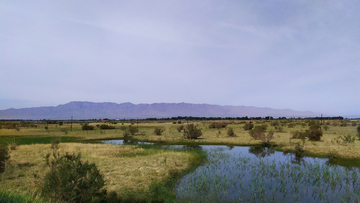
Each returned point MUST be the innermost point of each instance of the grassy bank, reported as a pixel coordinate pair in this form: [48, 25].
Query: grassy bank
[130, 171]
[170, 134]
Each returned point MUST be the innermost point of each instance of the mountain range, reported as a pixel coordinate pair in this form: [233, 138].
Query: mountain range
[92, 110]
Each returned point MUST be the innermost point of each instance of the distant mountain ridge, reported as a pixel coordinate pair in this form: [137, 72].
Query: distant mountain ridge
[91, 110]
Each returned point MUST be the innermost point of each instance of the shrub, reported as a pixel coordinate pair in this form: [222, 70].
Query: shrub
[299, 150]
[126, 134]
[133, 129]
[279, 129]
[71, 180]
[275, 123]
[217, 125]
[14, 146]
[180, 128]
[343, 124]
[248, 126]
[258, 133]
[174, 122]
[358, 130]
[179, 122]
[314, 134]
[4, 156]
[230, 132]
[55, 144]
[298, 135]
[87, 127]
[192, 132]
[326, 127]
[353, 123]
[104, 127]
[158, 131]
[291, 125]
[347, 138]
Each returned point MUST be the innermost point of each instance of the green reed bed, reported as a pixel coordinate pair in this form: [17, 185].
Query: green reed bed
[240, 178]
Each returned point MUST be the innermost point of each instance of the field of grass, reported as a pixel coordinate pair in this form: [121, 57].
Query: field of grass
[134, 171]
[170, 135]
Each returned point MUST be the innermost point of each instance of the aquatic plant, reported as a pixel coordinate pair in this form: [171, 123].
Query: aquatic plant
[240, 178]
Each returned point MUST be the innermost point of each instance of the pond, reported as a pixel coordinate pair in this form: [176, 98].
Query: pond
[261, 174]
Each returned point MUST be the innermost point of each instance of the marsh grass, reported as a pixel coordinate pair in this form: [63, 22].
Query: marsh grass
[239, 178]
[128, 170]
[209, 136]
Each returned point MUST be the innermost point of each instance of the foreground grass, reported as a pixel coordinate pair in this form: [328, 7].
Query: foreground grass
[130, 171]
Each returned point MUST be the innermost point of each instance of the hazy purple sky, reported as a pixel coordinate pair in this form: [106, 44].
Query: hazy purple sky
[300, 55]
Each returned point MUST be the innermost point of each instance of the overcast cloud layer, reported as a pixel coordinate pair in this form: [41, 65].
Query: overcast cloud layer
[300, 55]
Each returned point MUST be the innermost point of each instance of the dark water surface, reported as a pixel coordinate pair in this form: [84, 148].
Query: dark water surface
[261, 174]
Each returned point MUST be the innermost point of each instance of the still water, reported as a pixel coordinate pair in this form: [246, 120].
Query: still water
[261, 174]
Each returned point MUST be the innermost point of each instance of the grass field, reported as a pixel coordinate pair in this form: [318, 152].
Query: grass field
[209, 136]
[133, 171]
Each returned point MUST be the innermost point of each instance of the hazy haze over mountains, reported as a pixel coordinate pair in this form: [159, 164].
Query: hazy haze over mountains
[90, 110]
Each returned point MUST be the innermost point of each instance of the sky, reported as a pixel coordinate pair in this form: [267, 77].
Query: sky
[299, 55]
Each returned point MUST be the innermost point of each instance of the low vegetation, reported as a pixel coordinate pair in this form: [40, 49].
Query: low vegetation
[126, 173]
[192, 132]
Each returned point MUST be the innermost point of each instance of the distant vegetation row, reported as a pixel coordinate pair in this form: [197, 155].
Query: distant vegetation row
[190, 118]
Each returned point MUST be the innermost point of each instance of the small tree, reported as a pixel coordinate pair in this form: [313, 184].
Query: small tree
[71, 180]
[191, 132]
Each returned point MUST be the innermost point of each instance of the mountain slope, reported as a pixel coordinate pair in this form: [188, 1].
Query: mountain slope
[90, 110]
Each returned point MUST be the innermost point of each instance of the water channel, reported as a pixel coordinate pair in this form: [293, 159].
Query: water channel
[261, 174]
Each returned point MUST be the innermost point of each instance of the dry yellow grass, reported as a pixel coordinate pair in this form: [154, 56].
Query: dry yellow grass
[124, 167]
[210, 136]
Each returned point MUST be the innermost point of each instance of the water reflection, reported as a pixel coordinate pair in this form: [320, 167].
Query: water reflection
[261, 151]
[192, 147]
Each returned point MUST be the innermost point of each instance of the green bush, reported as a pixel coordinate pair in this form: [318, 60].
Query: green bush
[217, 125]
[158, 131]
[87, 127]
[71, 180]
[299, 135]
[248, 126]
[314, 134]
[180, 128]
[133, 130]
[345, 139]
[104, 127]
[279, 129]
[192, 132]
[358, 131]
[326, 127]
[230, 132]
[4, 156]
[258, 133]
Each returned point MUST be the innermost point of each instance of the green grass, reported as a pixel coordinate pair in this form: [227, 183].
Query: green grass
[11, 197]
